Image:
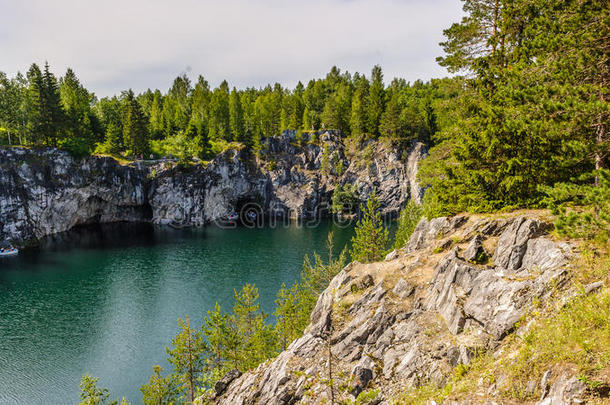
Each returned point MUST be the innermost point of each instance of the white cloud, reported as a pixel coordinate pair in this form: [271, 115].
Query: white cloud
[116, 44]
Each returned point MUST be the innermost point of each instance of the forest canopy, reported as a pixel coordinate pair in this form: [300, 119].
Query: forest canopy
[191, 119]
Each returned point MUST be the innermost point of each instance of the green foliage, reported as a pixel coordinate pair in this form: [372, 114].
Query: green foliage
[288, 324]
[582, 207]
[375, 102]
[345, 199]
[536, 111]
[159, 390]
[371, 240]
[258, 337]
[35, 110]
[408, 220]
[223, 342]
[179, 146]
[135, 128]
[317, 275]
[325, 160]
[92, 395]
[187, 357]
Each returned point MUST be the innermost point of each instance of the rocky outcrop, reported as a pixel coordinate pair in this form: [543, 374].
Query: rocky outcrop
[411, 319]
[47, 191]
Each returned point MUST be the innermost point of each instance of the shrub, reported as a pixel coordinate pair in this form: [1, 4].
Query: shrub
[409, 217]
[345, 199]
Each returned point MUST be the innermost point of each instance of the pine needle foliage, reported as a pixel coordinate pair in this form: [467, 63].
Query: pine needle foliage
[371, 240]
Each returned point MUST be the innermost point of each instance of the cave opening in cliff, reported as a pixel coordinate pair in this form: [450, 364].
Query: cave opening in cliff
[250, 210]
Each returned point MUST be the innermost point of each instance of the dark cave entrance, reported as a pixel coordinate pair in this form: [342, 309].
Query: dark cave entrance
[250, 210]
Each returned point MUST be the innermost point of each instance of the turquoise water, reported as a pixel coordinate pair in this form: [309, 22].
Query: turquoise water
[105, 300]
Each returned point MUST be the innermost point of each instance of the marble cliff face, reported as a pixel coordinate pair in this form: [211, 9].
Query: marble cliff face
[45, 191]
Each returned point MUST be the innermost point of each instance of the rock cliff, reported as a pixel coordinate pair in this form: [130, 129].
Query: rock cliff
[459, 288]
[47, 191]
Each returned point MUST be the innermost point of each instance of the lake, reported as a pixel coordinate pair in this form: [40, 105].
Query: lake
[105, 300]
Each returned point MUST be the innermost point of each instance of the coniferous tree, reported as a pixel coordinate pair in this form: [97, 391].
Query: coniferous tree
[258, 337]
[236, 116]
[478, 35]
[392, 125]
[52, 114]
[287, 323]
[223, 342]
[371, 240]
[220, 128]
[375, 101]
[156, 116]
[135, 128]
[186, 355]
[407, 221]
[358, 119]
[82, 126]
[159, 390]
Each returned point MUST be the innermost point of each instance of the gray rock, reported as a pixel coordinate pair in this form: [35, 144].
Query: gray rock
[544, 384]
[361, 376]
[427, 231]
[474, 249]
[589, 288]
[46, 191]
[221, 385]
[403, 289]
[542, 254]
[512, 244]
[566, 390]
[453, 279]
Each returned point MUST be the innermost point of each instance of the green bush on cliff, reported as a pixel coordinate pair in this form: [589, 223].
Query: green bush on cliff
[345, 199]
[371, 240]
[583, 206]
[409, 217]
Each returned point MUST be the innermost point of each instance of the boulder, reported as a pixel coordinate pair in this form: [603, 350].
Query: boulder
[361, 376]
[512, 243]
[403, 289]
[475, 250]
[221, 385]
[566, 390]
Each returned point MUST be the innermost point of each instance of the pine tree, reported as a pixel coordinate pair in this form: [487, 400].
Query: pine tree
[258, 337]
[186, 355]
[92, 395]
[287, 323]
[156, 116]
[358, 119]
[478, 35]
[223, 342]
[220, 127]
[52, 113]
[371, 240]
[236, 116]
[375, 101]
[159, 390]
[408, 220]
[392, 125]
[135, 128]
[35, 104]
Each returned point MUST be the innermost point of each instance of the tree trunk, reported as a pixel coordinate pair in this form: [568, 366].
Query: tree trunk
[495, 27]
[330, 358]
[599, 140]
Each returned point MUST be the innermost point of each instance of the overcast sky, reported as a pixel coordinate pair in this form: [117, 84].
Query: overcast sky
[117, 44]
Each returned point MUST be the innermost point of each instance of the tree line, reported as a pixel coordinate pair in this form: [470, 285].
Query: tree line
[195, 120]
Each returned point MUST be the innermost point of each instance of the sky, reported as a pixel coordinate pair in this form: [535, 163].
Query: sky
[113, 45]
